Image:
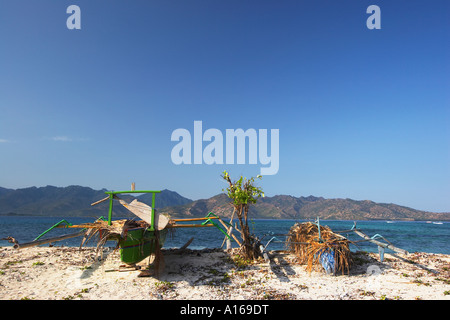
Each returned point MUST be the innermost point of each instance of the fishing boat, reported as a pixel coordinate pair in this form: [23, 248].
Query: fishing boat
[136, 239]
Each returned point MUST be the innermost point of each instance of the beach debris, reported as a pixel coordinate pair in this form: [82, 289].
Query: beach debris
[187, 244]
[10, 240]
[314, 244]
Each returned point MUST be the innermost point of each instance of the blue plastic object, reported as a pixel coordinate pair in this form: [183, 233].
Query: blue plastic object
[327, 261]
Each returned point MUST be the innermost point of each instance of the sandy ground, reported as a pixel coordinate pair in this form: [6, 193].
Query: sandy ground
[47, 273]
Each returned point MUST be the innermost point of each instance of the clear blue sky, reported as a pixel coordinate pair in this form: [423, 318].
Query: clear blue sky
[362, 114]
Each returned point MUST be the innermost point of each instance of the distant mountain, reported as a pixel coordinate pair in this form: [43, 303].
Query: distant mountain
[50, 201]
[219, 204]
[166, 198]
[289, 207]
[76, 201]
[73, 201]
[5, 191]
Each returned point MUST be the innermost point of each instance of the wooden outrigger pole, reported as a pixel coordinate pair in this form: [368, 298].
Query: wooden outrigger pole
[49, 240]
[174, 223]
[208, 222]
[381, 246]
[378, 243]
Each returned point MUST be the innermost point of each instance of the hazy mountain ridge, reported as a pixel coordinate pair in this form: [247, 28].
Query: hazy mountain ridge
[290, 207]
[73, 201]
[76, 201]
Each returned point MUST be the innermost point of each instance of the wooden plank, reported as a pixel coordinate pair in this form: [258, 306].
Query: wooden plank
[144, 212]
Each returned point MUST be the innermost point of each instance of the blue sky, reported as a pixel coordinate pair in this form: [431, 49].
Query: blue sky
[362, 114]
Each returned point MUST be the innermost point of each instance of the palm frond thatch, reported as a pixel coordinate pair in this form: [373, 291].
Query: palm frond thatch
[304, 242]
[117, 230]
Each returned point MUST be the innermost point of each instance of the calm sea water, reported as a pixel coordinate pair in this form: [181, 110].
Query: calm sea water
[411, 236]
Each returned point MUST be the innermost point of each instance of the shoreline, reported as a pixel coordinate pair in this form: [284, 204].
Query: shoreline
[268, 219]
[67, 273]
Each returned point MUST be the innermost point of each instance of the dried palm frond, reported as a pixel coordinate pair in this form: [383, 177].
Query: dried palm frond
[304, 242]
[338, 248]
[117, 230]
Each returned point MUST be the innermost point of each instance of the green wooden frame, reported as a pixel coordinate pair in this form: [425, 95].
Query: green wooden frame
[111, 198]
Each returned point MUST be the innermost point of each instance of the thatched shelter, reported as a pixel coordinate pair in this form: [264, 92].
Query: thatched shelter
[330, 249]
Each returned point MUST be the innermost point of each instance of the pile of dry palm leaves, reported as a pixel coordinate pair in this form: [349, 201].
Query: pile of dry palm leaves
[116, 231]
[304, 242]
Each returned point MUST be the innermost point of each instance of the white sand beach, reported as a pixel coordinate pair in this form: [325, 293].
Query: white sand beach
[62, 273]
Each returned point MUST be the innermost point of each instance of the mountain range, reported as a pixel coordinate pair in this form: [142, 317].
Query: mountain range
[76, 201]
[289, 207]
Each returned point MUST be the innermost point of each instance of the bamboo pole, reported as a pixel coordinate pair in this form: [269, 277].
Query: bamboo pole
[230, 229]
[189, 225]
[234, 237]
[99, 201]
[193, 219]
[78, 226]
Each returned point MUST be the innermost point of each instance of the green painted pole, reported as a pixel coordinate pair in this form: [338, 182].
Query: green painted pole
[56, 225]
[111, 197]
[133, 191]
[152, 226]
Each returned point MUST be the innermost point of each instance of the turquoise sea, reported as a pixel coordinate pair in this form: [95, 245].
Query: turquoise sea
[409, 235]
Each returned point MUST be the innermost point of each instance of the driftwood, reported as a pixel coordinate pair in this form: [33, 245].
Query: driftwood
[187, 244]
[10, 240]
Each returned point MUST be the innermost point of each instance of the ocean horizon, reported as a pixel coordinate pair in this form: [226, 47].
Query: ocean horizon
[420, 236]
